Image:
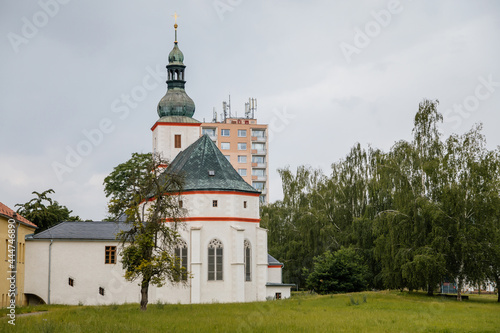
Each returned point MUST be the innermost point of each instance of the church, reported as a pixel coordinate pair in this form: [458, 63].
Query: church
[223, 246]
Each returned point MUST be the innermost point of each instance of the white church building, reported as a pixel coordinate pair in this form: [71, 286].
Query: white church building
[224, 248]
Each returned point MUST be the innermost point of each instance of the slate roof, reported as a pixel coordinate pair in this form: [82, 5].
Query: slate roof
[195, 162]
[177, 119]
[273, 261]
[82, 231]
[6, 211]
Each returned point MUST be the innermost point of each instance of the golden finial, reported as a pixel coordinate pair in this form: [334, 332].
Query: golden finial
[175, 25]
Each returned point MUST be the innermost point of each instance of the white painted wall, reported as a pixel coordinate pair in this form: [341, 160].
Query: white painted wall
[274, 275]
[84, 262]
[164, 134]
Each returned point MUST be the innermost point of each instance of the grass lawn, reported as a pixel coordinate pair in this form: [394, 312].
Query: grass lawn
[387, 311]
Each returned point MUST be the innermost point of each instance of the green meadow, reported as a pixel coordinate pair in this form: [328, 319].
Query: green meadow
[386, 311]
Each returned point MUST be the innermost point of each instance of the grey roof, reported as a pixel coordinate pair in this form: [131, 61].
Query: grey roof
[273, 261]
[195, 162]
[275, 284]
[96, 230]
[177, 119]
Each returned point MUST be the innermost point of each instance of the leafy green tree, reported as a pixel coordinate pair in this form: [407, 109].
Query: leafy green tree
[45, 212]
[150, 204]
[341, 271]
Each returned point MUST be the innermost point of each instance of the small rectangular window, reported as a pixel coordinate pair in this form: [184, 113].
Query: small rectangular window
[181, 204]
[242, 159]
[244, 204]
[242, 172]
[177, 141]
[278, 296]
[224, 132]
[101, 291]
[242, 146]
[242, 133]
[214, 203]
[225, 146]
[71, 282]
[110, 255]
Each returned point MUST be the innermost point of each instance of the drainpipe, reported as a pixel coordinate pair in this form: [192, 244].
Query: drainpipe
[50, 257]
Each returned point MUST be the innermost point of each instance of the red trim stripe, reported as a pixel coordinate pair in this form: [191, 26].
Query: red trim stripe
[173, 124]
[221, 192]
[216, 218]
[274, 266]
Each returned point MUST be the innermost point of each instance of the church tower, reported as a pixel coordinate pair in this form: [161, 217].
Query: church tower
[176, 128]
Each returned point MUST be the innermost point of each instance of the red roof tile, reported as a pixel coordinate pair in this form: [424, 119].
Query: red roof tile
[4, 210]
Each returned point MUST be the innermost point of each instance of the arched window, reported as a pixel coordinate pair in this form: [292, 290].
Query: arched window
[181, 253]
[215, 256]
[248, 260]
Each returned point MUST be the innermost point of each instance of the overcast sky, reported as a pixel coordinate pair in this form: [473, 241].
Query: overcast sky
[80, 80]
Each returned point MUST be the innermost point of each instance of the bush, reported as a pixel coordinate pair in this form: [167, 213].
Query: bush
[338, 272]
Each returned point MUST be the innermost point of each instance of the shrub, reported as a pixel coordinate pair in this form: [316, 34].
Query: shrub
[338, 272]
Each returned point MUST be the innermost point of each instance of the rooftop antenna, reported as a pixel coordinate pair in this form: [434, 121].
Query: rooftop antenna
[214, 119]
[247, 109]
[224, 110]
[252, 107]
[229, 105]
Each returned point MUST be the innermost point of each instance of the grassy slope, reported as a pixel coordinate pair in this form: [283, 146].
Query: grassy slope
[383, 312]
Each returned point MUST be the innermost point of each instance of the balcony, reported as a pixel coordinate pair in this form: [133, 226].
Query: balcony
[259, 165]
[213, 137]
[259, 178]
[259, 151]
[259, 138]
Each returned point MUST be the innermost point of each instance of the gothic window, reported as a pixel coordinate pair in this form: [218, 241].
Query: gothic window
[215, 257]
[248, 260]
[181, 261]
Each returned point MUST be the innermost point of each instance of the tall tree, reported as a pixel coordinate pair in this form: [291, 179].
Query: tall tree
[45, 212]
[470, 200]
[149, 202]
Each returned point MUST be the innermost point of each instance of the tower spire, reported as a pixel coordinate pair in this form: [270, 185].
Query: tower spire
[176, 102]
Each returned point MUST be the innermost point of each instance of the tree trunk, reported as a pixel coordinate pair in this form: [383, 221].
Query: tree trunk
[498, 288]
[459, 290]
[430, 290]
[144, 294]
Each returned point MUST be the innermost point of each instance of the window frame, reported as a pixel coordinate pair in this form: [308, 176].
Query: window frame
[177, 141]
[242, 136]
[240, 173]
[242, 144]
[223, 130]
[225, 143]
[215, 267]
[247, 258]
[181, 252]
[110, 255]
[244, 156]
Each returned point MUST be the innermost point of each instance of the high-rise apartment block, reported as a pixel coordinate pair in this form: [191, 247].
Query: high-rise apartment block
[244, 143]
